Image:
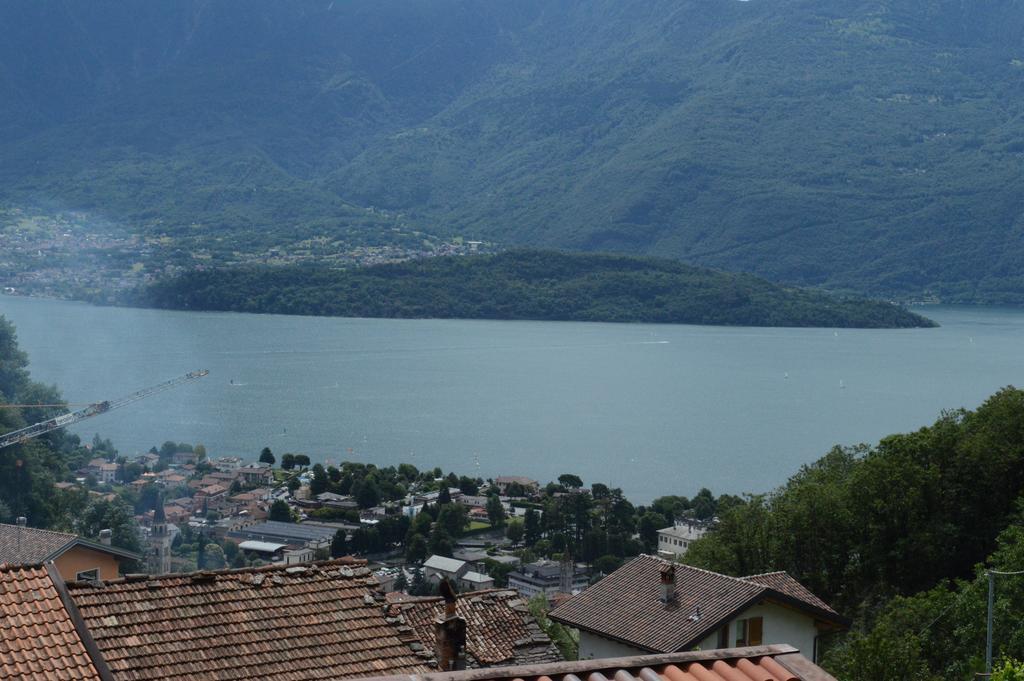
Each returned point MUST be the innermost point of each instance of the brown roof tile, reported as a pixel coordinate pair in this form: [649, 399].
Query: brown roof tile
[626, 605]
[38, 638]
[499, 627]
[782, 583]
[287, 623]
[30, 546]
[761, 663]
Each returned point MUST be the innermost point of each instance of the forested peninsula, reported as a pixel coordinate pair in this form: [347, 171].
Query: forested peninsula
[523, 284]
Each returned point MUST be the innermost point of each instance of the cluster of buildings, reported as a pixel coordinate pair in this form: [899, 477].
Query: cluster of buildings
[67, 611]
[652, 620]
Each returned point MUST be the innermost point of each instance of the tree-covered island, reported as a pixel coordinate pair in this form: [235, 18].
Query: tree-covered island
[523, 284]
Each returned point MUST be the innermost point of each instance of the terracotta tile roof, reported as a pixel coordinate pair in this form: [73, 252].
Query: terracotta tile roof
[38, 637]
[784, 584]
[287, 623]
[761, 663]
[29, 546]
[499, 627]
[626, 605]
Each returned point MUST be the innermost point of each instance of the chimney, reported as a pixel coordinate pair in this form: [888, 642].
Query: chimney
[450, 633]
[22, 522]
[668, 583]
[105, 536]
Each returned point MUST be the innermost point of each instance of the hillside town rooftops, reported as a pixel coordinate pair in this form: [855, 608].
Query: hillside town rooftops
[499, 627]
[290, 533]
[281, 622]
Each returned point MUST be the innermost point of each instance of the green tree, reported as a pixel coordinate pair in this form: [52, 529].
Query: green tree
[419, 586]
[570, 481]
[115, 516]
[565, 639]
[453, 518]
[514, 531]
[416, 549]
[280, 511]
[704, 506]
[650, 523]
[301, 460]
[440, 542]
[368, 494]
[215, 557]
[288, 461]
[267, 456]
[532, 527]
[339, 544]
[1009, 670]
[607, 564]
[495, 511]
[319, 483]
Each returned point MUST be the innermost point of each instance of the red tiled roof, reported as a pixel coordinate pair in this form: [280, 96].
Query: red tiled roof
[761, 663]
[38, 638]
[499, 627]
[285, 623]
[626, 605]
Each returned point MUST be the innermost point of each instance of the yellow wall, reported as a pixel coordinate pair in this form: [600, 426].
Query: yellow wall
[80, 559]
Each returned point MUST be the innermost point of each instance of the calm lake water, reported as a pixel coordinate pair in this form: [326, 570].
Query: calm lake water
[650, 408]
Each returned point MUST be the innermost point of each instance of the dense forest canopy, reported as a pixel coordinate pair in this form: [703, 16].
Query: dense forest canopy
[898, 536]
[524, 285]
[871, 146]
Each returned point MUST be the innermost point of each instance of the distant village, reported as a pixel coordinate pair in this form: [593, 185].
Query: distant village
[231, 501]
[259, 558]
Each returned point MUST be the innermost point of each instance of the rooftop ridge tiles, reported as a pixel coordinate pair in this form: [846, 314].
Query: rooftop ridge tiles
[742, 580]
[468, 594]
[182, 576]
[766, 574]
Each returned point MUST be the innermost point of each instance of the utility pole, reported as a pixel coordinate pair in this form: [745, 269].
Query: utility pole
[991, 606]
[988, 639]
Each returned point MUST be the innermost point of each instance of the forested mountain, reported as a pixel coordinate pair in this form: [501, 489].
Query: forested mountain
[872, 145]
[522, 284]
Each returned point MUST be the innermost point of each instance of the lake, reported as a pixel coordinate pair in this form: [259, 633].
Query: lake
[653, 409]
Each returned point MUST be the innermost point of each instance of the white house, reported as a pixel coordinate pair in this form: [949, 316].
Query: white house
[651, 605]
[439, 567]
[675, 541]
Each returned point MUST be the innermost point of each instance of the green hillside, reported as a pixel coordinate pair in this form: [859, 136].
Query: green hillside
[523, 285]
[866, 146]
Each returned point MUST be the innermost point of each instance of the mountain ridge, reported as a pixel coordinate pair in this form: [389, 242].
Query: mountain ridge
[866, 146]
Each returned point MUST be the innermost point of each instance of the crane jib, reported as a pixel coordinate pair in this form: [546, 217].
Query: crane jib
[43, 427]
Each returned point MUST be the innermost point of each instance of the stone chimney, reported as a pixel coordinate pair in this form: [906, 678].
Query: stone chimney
[22, 522]
[105, 536]
[450, 633]
[668, 583]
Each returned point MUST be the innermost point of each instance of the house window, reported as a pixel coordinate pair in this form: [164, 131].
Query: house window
[723, 637]
[88, 575]
[749, 632]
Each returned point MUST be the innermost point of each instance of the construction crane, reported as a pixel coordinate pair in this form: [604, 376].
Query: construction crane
[94, 409]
